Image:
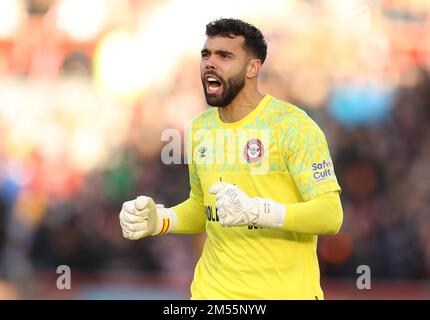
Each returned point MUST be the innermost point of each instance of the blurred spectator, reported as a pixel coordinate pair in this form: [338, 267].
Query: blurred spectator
[38, 7]
[76, 63]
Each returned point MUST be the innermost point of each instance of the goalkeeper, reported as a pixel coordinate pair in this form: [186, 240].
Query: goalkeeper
[263, 186]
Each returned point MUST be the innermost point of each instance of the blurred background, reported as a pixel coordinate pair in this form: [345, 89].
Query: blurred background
[87, 86]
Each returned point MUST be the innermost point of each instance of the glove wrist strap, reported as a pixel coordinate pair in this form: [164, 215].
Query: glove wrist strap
[271, 214]
[166, 220]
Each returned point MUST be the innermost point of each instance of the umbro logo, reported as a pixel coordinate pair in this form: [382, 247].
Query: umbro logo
[202, 150]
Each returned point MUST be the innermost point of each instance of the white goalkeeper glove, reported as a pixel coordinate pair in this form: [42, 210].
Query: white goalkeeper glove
[141, 217]
[236, 208]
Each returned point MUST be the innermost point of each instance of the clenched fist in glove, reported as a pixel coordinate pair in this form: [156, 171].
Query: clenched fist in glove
[141, 217]
[236, 208]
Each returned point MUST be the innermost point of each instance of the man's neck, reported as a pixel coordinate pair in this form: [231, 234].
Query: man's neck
[242, 105]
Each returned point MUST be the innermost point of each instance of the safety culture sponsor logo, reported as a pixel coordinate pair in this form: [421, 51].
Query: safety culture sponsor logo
[322, 170]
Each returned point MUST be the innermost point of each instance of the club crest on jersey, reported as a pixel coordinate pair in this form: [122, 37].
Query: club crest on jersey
[253, 151]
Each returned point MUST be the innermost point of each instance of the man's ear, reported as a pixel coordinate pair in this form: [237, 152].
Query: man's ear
[253, 68]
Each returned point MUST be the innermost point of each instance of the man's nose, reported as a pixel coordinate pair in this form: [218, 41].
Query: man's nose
[209, 64]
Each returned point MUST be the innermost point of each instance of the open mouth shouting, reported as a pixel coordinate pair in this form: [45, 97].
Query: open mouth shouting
[213, 84]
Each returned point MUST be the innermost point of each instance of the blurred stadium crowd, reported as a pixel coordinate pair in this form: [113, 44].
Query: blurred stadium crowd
[86, 88]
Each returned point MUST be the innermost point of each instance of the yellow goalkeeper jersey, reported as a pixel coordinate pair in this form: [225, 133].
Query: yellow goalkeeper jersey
[276, 151]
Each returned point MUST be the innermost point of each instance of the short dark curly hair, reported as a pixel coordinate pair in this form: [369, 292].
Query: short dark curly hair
[227, 27]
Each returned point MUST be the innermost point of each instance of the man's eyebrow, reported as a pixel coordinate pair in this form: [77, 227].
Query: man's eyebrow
[224, 52]
[219, 52]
